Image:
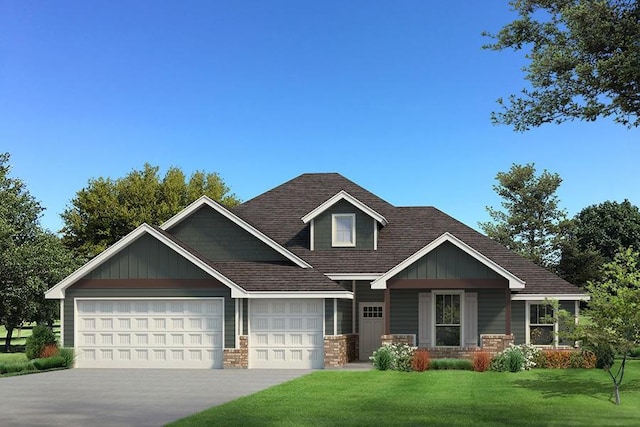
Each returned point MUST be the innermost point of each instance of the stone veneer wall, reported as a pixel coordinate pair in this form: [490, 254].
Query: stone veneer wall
[340, 350]
[237, 357]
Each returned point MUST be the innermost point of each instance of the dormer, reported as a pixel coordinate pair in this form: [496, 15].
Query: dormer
[343, 222]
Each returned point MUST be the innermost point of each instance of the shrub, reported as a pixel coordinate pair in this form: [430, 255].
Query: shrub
[481, 361]
[421, 360]
[540, 359]
[382, 358]
[588, 359]
[49, 363]
[9, 368]
[49, 350]
[605, 355]
[515, 358]
[41, 336]
[68, 355]
[451, 364]
[635, 352]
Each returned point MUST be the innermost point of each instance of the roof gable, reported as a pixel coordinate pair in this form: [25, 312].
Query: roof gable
[343, 195]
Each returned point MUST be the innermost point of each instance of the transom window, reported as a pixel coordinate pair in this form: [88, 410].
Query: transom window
[447, 324]
[541, 324]
[344, 230]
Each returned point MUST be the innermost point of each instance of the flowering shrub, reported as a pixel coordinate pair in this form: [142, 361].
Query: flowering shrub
[515, 358]
[393, 356]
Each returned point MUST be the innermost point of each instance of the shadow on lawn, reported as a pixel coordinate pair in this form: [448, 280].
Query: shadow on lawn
[553, 385]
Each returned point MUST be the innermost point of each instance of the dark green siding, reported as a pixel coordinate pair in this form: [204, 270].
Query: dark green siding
[229, 305]
[404, 312]
[328, 316]
[219, 239]
[491, 311]
[447, 262]
[518, 321]
[345, 316]
[322, 227]
[147, 258]
[364, 293]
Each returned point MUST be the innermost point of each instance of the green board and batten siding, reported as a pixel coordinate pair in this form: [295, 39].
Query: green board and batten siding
[447, 262]
[364, 227]
[219, 239]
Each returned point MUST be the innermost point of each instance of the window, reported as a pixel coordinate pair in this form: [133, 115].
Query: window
[542, 327]
[344, 230]
[448, 325]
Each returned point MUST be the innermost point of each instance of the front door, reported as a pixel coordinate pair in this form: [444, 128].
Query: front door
[371, 328]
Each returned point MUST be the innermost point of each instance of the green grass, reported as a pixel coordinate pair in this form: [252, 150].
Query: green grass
[543, 397]
[12, 358]
[19, 338]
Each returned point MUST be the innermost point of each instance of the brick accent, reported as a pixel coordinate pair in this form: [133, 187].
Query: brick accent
[237, 357]
[409, 339]
[495, 343]
[452, 353]
[340, 350]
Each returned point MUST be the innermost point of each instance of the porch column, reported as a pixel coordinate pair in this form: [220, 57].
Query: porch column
[387, 311]
[507, 311]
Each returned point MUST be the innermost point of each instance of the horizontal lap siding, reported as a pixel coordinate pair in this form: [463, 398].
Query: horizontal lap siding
[229, 305]
[323, 228]
[404, 312]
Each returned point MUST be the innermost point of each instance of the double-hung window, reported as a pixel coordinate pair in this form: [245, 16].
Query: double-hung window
[343, 230]
[448, 324]
[542, 326]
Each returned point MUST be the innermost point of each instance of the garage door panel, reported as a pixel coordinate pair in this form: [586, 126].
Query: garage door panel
[150, 334]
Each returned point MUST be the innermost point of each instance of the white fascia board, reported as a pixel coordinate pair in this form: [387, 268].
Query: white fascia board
[514, 281]
[58, 291]
[204, 200]
[343, 195]
[353, 276]
[559, 297]
[299, 295]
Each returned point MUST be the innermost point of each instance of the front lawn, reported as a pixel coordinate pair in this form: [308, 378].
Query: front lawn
[544, 397]
[12, 358]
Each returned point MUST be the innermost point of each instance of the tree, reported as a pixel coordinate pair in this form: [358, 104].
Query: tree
[107, 209]
[597, 234]
[531, 223]
[583, 61]
[613, 325]
[31, 259]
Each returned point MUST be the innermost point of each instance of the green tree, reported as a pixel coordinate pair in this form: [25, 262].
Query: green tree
[583, 61]
[531, 223]
[31, 259]
[108, 209]
[613, 314]
[597, 234]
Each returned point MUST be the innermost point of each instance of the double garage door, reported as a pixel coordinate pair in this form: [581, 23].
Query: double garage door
[149, 333]
[188, 333]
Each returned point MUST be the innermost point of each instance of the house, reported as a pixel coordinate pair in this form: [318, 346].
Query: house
[314, 273]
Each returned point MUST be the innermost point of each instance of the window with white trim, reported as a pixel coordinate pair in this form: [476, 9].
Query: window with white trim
[542, 327]
[448, 319]
[343, 230]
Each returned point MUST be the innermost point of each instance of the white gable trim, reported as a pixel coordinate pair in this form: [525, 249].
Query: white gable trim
[58, 291]
[204, 200]
[514, 281]
[559, 297]
[353, 276]
[305, 295]
[343, 195]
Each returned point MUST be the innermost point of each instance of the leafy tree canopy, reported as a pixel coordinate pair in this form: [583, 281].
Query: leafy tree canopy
[531, 221]
[108, 209]
[583, 61]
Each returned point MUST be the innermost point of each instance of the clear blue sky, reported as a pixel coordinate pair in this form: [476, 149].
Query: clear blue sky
[394, 95]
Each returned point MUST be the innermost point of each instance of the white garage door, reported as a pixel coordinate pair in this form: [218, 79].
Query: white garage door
[149, 333]
[286, 333]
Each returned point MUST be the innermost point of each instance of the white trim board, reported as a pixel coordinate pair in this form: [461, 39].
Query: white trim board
[343, 195]
[514, 281]
[559, 297]
[353, 276]
[206, 201]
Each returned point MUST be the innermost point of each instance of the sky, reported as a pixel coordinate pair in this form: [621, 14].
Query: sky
[396, 96]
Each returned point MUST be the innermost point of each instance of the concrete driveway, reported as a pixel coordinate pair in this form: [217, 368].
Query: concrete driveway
[125, 397]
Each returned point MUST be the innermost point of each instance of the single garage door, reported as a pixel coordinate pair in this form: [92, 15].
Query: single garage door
[149, 333]
[286, 333]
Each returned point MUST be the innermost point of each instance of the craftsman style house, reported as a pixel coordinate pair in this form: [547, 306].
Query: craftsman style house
[316, 272]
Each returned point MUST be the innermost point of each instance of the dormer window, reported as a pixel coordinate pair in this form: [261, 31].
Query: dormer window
[343, 230]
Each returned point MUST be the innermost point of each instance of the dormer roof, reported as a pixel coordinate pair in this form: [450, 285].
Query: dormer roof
[343, 195]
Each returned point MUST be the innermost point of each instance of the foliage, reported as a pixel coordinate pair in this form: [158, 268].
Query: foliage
[68, 354]
[531, 223]
[41, 337]
[421, 360]
[451, 364]
[108, 209]
[40, 364]
[14, 367]
[481, 361]
[393, 356]
[49, 363]
[635, 352]
[614, 314]
[382, 358]
[515, 358]
[49, 350]
[31, 259]
[583, 61]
